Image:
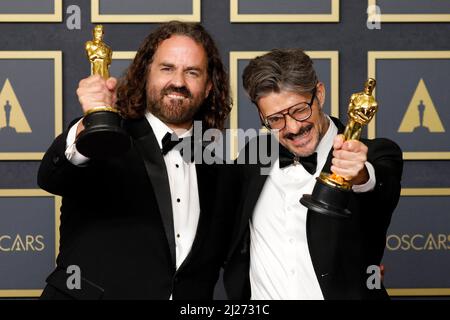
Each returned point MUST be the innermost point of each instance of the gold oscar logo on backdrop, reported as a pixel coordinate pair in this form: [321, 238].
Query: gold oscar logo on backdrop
[418, 242]
[421, 115]
[12, 117]
[17, 243]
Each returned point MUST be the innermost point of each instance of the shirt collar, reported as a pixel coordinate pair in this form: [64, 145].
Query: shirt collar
[160, 128]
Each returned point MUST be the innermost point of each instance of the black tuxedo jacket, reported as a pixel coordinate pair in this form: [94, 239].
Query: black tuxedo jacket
[341, 249]
[117, 225]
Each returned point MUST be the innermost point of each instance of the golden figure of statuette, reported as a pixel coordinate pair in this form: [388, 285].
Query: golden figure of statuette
[103, 135]
[331, 192]
[99, 53]
[361, 110]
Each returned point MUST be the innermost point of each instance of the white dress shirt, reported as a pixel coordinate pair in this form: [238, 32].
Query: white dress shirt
[182, 181]
[280, 261]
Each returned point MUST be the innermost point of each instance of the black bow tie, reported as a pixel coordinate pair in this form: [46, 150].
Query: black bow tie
[287, 158]
[170, 141]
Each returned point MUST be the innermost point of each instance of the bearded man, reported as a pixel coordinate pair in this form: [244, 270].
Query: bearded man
[145, 224]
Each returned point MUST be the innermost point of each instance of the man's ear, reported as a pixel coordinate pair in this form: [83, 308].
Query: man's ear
[208, 88]
[261, 117]
[320, 94]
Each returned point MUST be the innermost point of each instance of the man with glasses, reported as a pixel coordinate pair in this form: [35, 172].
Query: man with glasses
[281, 250]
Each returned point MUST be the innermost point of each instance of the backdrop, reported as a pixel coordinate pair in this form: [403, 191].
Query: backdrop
[406, 48]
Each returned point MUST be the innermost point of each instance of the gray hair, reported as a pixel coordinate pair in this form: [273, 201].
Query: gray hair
[279, 70]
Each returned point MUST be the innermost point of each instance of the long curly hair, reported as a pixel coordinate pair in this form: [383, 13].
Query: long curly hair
[131, 91]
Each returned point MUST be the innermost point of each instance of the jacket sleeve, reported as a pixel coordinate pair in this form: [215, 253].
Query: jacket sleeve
[57, 175]
[378, 205]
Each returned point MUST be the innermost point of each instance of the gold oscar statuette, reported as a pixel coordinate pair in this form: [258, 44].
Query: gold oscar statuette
[331, 192]
[103, 135]
[99, 54]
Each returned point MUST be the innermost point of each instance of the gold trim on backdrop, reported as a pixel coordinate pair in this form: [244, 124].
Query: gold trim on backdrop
[58, 205]
[373, 56]
[235, 16]
[58, 108]
[21, 155]
[419, 292]
[425, 192]
[20, 293]
[33, 193]
[123, 55]
[56, 16]
[138, 18]
[24, 193]
[235, 56]
[407, 17]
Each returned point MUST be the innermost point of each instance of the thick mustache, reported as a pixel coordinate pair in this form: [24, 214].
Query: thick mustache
[181, 90]
[302, 130]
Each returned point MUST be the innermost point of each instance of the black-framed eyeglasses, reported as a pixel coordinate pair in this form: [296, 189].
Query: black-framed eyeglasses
[300, 112]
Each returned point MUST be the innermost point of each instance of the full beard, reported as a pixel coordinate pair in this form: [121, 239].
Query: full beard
[173, 105]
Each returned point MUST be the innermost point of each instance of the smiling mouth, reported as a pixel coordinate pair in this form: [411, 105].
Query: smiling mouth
[175, 96]
[304, 132]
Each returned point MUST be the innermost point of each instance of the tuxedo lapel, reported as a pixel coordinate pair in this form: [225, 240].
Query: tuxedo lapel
[148, 147]
[323, 234]
[341, 128]
[253, 184]
[206, 181]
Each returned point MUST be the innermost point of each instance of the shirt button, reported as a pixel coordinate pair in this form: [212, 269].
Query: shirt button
[178, 200]
[178, 235]
[293, 271]
[177, 166]
[291, 241]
